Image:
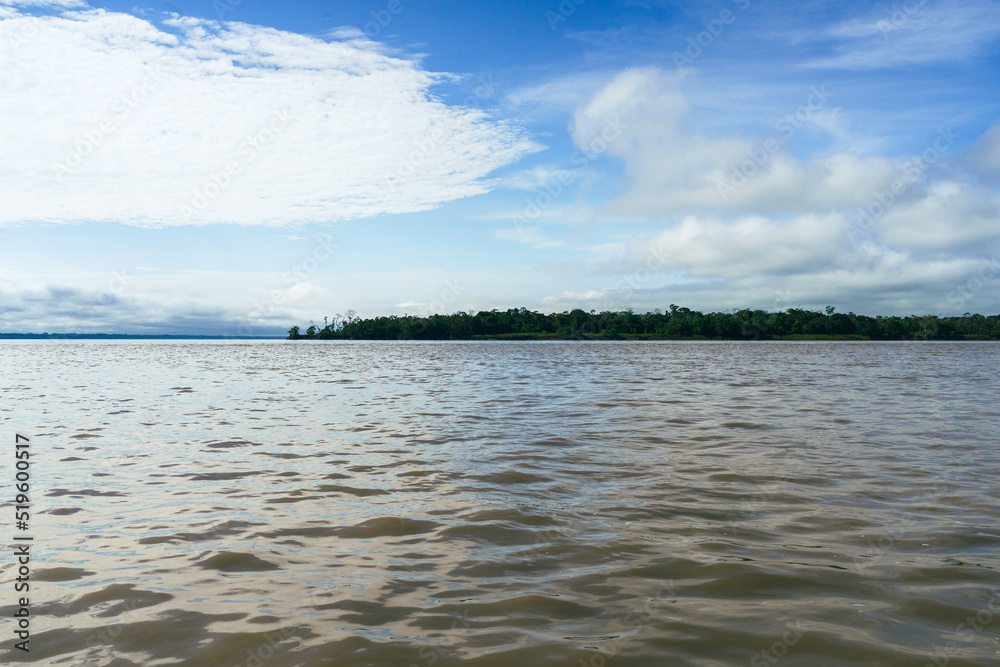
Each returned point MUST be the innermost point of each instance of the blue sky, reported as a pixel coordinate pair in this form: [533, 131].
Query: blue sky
[237, 167]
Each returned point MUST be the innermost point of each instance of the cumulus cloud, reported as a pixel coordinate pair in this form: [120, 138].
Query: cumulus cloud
[108, 117]
[887, 232]
[692, 271]
[951, 215]
[672, 170]
[983, 157]
[710, 248]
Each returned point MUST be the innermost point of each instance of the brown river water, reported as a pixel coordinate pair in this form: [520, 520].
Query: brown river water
[578, 504]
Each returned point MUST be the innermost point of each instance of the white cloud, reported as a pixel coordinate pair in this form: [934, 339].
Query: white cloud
[775, 266]
[107, 117]
[162, 301]
[952, 214]
[748, 246]
[537, 178]
[56, 308]
[983, 156]
[530, 235]
[672, 170]
[790, 226]
[556, 97]
[63, 4]
[914, 32]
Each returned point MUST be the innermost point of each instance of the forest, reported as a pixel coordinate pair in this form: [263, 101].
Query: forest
[672, 323]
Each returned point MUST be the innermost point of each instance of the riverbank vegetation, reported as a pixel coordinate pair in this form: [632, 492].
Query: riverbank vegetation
[673, 323]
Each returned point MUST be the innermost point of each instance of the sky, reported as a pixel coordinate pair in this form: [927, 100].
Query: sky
[235, 167]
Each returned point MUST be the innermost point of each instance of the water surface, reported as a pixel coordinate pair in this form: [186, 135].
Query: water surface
[490, 504]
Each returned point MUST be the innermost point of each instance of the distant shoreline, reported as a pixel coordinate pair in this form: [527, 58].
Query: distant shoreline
[789, 338]
[70, 336]
[645, 337]
[676, 323]
[525, 338]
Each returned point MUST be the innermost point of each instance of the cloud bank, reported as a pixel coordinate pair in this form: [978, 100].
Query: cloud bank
[108, 117]
[744, 221]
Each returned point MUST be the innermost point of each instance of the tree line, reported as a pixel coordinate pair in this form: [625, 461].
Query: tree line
[675, 322]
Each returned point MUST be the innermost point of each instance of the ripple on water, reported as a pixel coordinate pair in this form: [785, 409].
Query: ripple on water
[493, 504]
[230, 561]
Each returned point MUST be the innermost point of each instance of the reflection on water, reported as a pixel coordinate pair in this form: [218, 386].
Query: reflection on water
[508, 503]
